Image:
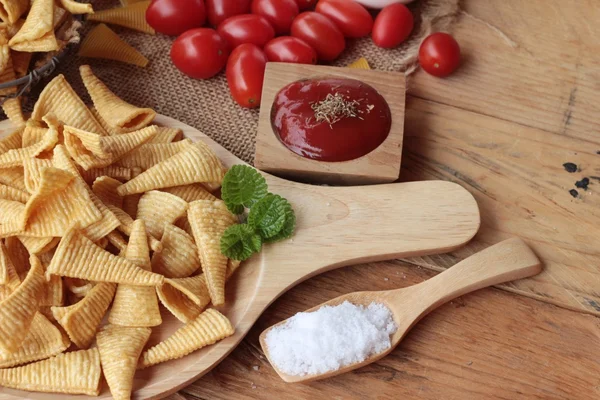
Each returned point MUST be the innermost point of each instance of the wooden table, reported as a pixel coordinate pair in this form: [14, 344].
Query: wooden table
[502, 126]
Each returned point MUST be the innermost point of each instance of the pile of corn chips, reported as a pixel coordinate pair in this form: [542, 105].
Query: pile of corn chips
[40, 27]
[103, 217]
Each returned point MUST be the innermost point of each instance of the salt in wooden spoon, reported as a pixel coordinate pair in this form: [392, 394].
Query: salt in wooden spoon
[506, 261]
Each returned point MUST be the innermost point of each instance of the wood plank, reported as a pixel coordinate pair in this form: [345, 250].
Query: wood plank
[489, 345]
[549, 80]
[517, 178]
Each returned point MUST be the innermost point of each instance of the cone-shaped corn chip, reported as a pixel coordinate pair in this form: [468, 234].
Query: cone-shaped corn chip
[11, 211]
[167, 135]
[12, 278]
[136, 306]
[81, 320]
[4, 56]
[55, 295]
[32, 167]
[16, 157]
[116, 112]
[38, 245]
[76, 372]
[39, 22]
[130, 204]
[190, 193]
[78, 257]
[160, 208]
[18, 309]
[209, 219]
[195, 164]
[361, 63]
[11, 141]
[77, 8]
[11, 10]
[91, 150]
[186, 298]
[10, 193]
[33, 134]
[184, 223]
[21, 61]
[210, 327]
[102, 42]
[14, 112]
[46, 43]
[18, 254]
[112, 171]
[106, 189]
[60, 202]
[120, 348]
[7, 270]
[78, 287]
[127, 223]
[179, 255]
[132, 17]
[117, 241]
[13, 177]
[59, 98]
[148, 155]
[109, 221]
[111, 130]
[42, 341]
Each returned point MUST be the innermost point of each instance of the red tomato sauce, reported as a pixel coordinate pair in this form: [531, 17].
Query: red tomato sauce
[330, 119]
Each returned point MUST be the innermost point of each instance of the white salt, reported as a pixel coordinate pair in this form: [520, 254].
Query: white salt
[330, 338]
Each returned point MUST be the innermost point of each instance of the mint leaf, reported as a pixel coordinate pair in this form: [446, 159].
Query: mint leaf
[242, 187]
[240, 241]
[289, 225]
[268, 215]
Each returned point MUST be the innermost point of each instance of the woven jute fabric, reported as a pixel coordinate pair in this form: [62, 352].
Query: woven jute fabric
[206, 104]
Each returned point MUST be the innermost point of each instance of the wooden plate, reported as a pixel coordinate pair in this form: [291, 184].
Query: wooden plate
[336, 226]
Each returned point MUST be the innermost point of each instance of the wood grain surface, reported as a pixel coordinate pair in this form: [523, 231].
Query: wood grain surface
[525, 101]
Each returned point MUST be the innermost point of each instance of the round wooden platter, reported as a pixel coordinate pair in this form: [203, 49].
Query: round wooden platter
[336, 226]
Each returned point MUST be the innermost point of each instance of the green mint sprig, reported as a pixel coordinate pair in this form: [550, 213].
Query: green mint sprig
[270, 217]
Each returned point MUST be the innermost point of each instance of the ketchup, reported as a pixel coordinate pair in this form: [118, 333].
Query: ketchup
[330, 119]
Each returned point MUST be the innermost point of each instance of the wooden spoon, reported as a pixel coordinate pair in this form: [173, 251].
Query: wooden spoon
[336, 226]
[506, 261]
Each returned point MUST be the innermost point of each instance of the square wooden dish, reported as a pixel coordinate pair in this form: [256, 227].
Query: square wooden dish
[382, 165]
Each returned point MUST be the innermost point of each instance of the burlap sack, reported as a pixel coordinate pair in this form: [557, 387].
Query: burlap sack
[207, 105]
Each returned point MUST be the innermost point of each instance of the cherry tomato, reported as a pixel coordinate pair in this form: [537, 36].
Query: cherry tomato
[173, 17]
[439, 54]
[280, 13]
[320, 33]
[248, 28]
[245, 74]
[290, 50]
[200, 53]
[306, 4]
[219, 10]
[392, 26]
[353, 19]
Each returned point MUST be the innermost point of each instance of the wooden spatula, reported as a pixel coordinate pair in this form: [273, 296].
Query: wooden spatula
[505, 261]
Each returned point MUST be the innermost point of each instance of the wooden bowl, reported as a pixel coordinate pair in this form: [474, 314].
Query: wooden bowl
[382, 165]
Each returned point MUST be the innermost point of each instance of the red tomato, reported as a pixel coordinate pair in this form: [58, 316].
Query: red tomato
[290, 50]
[353, 19]
[392, 26]
[248, 28]
[245, 74]
[173, 17]
[219, 10]
[439, 54]
[320, 33]
[306, 4]
[280, 13]
[200, 53]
